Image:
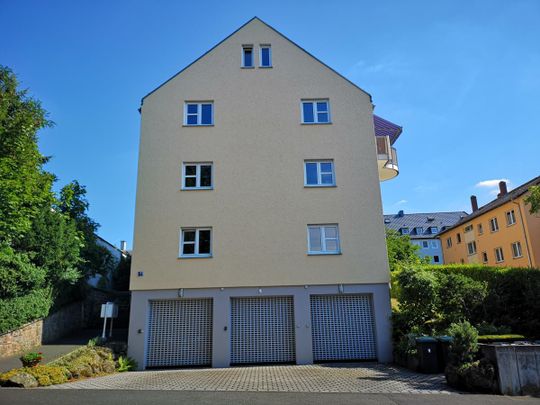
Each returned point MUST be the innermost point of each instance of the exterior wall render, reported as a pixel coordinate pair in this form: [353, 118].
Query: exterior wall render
[222, 316]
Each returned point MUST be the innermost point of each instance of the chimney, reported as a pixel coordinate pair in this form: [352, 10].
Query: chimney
[502, 188]
[400, 213]
[474, 203]
[123, 245]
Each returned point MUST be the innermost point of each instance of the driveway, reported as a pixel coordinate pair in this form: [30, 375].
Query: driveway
[337, 378]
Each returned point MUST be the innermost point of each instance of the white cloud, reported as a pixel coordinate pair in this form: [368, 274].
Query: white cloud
[491, 183]
[401, 202]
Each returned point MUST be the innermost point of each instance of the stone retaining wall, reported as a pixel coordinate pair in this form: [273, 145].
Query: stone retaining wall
[20, 340]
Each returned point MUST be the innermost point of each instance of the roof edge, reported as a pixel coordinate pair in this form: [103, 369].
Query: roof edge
[234, 32]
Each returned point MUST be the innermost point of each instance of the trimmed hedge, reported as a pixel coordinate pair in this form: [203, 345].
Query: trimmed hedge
[15, 312]
[513, 297]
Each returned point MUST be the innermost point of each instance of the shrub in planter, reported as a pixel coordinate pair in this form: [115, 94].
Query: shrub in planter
[31, 359]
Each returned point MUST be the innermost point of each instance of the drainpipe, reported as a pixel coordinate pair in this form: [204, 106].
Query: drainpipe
[524, 232]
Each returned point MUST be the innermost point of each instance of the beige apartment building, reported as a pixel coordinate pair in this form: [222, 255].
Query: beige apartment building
[258, 232]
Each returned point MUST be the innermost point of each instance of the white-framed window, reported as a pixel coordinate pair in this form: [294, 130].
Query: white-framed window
[197, 176]
[449, 242]
[425, 244]
[419, 230]
[196, 242]
[315, 111]
[458, 237]
[198, 113]
[484, 257]
[319, 173]
[510, 218]
[247, 56]
[434, 244]
[436, 259]
[405, 231]
[480, 229]
[471, 248]
[434, 229]
[323, 239]
[499, 255]
[265, 56]
[516, 250]
[493, 225]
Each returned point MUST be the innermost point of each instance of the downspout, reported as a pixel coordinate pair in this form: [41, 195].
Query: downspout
[524, 232]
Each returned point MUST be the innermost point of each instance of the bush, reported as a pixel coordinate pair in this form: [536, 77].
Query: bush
[464, 344]
[45, 375]
[17, 311]
[499, 338]
[126, 364]
[478, 376]
[31, 359]
[87, 362]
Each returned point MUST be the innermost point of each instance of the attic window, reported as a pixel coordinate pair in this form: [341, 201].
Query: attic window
[265, 56]
[387, 221]
[247, 56]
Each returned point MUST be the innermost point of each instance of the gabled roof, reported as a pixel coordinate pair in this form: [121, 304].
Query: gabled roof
[511, 195]
[424, 220]
[386, 128]
[273, 29]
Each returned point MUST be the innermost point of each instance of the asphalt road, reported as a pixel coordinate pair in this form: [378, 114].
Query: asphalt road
[15, 396]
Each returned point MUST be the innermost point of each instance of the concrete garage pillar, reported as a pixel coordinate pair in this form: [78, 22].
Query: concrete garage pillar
[302, 320]
[383, 324]
[137, 327]
[221, 330]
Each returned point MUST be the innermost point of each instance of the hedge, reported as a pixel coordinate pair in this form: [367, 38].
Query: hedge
[512, 294]
[15, 312]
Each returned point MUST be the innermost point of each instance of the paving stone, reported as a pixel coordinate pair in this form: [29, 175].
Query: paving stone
[342, 378]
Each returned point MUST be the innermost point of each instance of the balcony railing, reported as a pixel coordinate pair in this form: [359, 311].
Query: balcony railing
[387, 158]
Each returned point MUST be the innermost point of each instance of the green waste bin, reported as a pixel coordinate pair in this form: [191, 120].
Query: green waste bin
[428, 357]
[443, 350]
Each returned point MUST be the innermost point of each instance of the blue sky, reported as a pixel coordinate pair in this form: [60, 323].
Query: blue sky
[461, 77]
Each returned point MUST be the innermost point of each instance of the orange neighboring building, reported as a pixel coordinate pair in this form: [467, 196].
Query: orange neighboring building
[501, 233]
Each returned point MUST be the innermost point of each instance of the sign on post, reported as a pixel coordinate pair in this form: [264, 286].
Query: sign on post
[108, 310]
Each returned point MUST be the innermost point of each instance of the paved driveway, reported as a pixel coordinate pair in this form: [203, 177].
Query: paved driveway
[343, 378]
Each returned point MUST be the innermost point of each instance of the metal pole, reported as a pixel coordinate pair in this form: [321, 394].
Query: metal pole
[110, 331]
[104, 327]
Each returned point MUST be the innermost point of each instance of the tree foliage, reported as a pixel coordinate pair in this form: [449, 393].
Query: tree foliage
[533, 199]
[401, 252]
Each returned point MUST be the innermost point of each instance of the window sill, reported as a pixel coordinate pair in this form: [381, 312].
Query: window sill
[502, 261]
[320, 185]
[265, 67]
[517, 257]
[195, 126]
[508, 225]
[247, 67]
[316, 123]
[196, 257]
[323, 253]
[196, 188]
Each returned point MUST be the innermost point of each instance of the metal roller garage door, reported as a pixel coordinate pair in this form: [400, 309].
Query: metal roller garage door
[262, 330]
[342, 327]
[180, 333]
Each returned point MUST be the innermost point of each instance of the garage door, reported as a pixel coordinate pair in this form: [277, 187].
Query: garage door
[180, 333]
[262, 330]
[342, 327]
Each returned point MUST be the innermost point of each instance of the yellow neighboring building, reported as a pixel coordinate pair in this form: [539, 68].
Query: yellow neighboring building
[501, 233]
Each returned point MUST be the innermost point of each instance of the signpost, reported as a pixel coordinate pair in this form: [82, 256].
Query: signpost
[108, 310]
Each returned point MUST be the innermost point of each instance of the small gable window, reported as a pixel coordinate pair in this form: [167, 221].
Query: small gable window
[265, 56]
[198, 114]
[247, 56]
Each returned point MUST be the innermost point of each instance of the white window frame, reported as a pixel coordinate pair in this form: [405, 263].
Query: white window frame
[314, 106]
[499, 252]
[517, 252]
[510, 218]
[434, 229]
[458, 238]
[196, 242]
[320, 173]
[419, 230]
[198, 114]
[438, 259]
[471, 248]
[425, 244]
[197, 176]
[323, 250]
[485, 258]
[494, 224]
[449, 242]
[403, 230]
[244, 47]
[434, 244]
[261, 47]
[480, 228]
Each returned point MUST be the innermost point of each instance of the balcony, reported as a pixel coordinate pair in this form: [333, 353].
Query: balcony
[386, 133]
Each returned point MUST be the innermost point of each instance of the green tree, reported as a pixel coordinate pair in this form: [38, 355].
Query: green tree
[95, 259]
[401, 252]
[533, 199]
[25, 188]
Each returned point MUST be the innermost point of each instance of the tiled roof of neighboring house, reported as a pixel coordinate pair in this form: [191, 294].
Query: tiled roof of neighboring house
[386, 128]
[425, 220]
[511, 195]
[112, 246]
